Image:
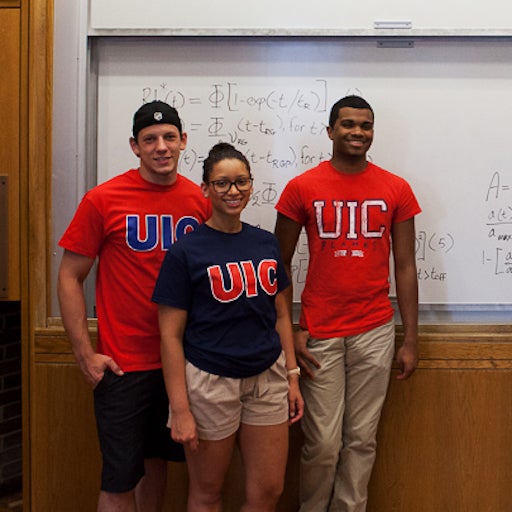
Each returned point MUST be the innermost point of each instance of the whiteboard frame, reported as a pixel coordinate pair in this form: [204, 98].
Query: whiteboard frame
[297, 32]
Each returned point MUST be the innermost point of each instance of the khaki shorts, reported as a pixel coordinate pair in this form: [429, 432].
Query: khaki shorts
[220, 404]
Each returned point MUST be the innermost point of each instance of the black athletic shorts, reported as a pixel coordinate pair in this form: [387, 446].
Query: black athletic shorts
[131, 417]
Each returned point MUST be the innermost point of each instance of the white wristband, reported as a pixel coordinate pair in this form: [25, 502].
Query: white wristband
[294, 371]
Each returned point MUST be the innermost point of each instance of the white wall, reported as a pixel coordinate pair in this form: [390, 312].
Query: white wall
[69, 177]
[296, 16]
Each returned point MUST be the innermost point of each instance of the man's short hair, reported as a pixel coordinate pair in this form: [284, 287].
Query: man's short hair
[351, 101]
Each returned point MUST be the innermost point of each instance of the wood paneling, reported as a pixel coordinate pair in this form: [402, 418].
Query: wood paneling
[10, 3]
[65, 462]
[35, 177]
[443, 440]
[10, 43]
[444, 443]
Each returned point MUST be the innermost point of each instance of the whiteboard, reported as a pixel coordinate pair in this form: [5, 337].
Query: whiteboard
[443, 110]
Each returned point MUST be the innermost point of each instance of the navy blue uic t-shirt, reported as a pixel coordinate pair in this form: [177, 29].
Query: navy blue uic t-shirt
[227, 282]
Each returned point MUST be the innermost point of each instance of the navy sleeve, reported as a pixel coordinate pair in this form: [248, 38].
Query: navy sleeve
[173, 286]
[282, 277]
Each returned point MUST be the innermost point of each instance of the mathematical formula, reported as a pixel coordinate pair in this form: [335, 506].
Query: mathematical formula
[497, 256]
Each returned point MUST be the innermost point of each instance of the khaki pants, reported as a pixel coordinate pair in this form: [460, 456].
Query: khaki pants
[343, 406]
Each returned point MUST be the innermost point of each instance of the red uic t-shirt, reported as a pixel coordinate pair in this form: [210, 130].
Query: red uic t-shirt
[129, 223]
[348, 219]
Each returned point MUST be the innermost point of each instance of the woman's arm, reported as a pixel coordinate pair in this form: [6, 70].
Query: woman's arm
[172, 323]
[285, 331]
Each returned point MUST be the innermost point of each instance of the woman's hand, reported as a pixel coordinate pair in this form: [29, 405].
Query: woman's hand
[295, 400]
[184, 430]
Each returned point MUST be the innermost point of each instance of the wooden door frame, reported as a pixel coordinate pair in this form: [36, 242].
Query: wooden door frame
[35, 195]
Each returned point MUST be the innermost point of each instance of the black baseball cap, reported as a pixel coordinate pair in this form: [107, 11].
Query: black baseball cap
[155, 112]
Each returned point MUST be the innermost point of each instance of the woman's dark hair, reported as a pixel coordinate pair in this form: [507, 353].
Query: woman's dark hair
[219, 152]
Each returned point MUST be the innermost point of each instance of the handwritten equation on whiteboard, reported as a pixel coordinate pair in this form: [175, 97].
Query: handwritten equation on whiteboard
[429, 244]
[236, 114]
[228, 96]
[497, 257]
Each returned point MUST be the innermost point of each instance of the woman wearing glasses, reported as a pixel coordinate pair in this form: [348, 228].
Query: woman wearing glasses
[227, 346]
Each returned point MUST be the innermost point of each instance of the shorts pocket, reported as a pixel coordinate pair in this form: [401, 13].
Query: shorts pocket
[104, 382]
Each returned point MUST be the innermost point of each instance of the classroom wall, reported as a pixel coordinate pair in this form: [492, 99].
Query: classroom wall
[444, 441]
[76, 161]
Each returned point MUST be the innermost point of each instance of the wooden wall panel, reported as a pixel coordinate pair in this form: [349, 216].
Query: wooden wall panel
[443, 441]
[65, 461]
[10, 43]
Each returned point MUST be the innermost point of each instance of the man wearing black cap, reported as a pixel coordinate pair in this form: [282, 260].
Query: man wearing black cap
[128, 223]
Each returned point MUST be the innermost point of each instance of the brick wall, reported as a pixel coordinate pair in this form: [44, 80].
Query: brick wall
[10, 397]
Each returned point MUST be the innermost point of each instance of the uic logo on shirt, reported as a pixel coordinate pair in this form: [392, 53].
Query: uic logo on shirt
[353, 210]
[243, 277]
[147, 234]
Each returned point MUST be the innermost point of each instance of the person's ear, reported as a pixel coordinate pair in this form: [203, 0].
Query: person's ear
[135, 147]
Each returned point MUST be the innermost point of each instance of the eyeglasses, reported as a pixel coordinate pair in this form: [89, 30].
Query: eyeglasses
[224, 186]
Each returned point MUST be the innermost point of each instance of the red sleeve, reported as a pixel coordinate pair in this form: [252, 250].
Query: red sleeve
[85, 233]
[408, 205]
[290, 203]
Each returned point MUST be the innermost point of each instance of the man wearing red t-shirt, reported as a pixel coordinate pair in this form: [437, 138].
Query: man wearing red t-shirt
[128, 223]
[354, 213]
